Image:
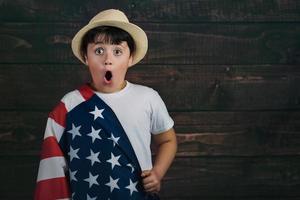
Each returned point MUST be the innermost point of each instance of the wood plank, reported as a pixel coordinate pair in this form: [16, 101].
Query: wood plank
[183, 88]
[237, 133]
[188, 178]
[18, 175]
[227, 177]
[198, 133]
[158, 11]
[21, 133]
[222, 43]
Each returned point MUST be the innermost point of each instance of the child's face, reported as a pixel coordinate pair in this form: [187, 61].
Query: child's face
[108, 64]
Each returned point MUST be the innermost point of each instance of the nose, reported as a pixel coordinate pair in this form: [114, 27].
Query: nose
[107, 60]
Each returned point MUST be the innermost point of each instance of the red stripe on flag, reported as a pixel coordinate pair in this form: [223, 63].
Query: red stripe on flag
[86, 92]
[59, 114]
[55, 188]
[50, 148]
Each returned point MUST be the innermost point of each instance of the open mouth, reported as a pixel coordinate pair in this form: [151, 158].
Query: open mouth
[108, 76]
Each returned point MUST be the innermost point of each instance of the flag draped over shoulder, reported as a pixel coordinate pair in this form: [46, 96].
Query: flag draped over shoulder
[86, 153]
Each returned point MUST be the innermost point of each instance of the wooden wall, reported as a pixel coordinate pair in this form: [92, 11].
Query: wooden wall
[228, 71]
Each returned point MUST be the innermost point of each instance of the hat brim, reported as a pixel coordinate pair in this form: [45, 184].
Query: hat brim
[138, 35]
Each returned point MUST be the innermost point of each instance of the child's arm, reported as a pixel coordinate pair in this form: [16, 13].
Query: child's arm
[52, 181]
[167, 147]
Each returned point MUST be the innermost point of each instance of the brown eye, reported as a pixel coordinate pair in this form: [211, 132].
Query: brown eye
[99, 51]
[118, 52]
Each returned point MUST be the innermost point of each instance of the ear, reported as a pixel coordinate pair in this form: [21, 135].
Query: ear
[130, 61]
[86, 60]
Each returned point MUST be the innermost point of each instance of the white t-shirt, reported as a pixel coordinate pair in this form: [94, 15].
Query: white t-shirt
[141, 112]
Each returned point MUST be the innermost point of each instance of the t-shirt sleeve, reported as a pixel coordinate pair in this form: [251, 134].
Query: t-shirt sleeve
[160, 118]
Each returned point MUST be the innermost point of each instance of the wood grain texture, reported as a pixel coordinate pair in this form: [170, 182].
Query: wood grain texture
[212, 134]
[197, 177]
[153, 10]
[221, 43]
[183, 88]
[227, 70]
[227, 177]
[18, 175]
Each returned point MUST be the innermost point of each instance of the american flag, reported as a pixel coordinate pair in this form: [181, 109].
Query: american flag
[86, 154]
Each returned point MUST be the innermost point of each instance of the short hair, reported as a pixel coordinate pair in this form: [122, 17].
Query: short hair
[112, 35]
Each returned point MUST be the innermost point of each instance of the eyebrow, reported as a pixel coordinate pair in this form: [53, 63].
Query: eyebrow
[121, 44]
[99, 43]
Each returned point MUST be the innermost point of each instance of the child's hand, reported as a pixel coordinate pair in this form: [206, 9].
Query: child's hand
[151, 181]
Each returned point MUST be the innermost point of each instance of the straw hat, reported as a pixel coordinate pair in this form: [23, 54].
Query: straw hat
[118, 19]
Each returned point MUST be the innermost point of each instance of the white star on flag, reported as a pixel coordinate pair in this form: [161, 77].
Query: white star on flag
[130, 165]
[73, 153]
[72, 175]
[112, 183]
[74, 131]
[114, 139]
[114, 160]
[90, 198]
[132, 187]
[92, 179]
[93, 157]
[97, 113]
[95, 134]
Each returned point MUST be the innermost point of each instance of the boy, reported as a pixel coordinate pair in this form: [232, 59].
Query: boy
[97, 140]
